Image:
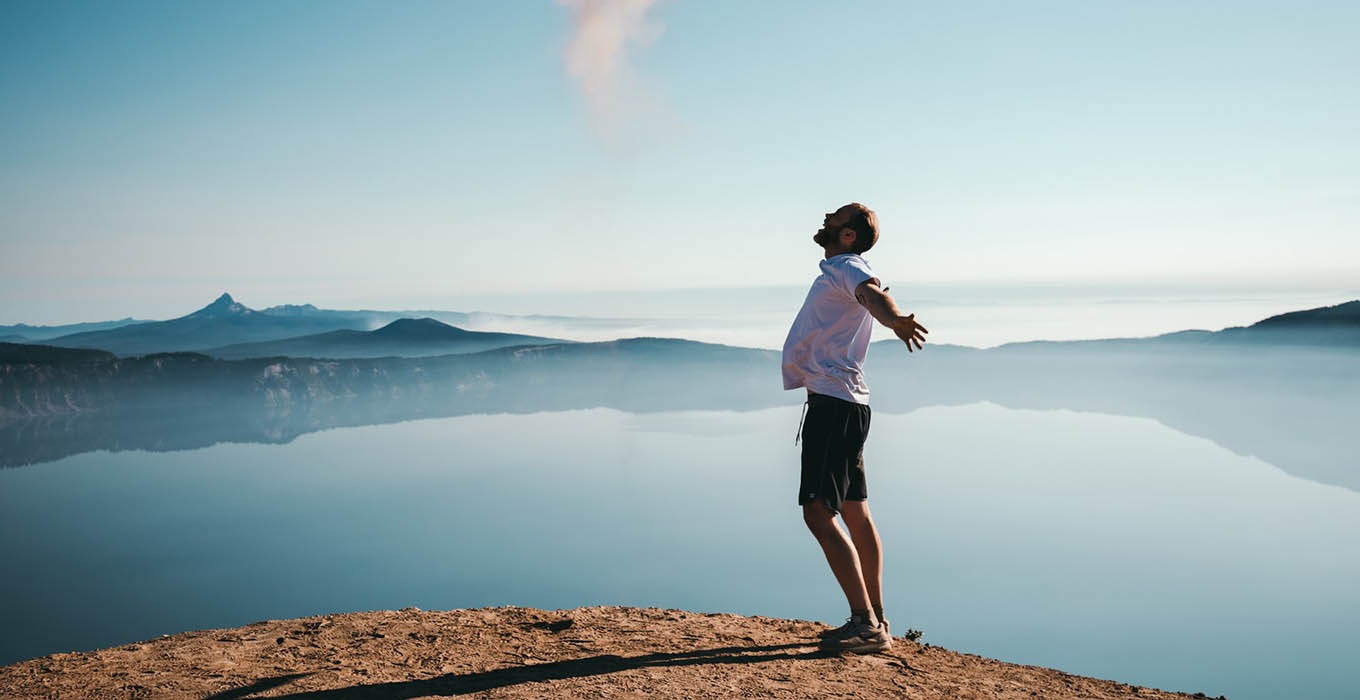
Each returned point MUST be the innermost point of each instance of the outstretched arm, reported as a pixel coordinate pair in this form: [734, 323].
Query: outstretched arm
[885, 311]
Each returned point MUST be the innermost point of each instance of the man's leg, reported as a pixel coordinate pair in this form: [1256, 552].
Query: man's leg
[840, 554]
[870, 548]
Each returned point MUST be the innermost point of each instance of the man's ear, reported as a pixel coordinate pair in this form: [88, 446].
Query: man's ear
[848, 236]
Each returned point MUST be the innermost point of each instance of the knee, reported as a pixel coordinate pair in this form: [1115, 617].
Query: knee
[856, 515]
[818, 518]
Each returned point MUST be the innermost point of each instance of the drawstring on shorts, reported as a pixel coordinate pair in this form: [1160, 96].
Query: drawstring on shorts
[800, 423]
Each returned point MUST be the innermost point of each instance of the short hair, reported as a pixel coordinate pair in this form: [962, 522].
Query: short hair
[865, 225]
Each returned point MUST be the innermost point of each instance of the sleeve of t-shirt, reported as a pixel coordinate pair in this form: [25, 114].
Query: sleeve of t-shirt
[854, 271]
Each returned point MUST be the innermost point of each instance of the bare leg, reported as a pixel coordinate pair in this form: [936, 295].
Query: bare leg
[840, 554]
[870, 548]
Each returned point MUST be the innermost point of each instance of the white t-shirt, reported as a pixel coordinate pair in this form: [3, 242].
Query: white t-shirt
[830, 336]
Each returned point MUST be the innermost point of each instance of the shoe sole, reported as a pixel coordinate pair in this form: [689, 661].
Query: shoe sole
[863, 647]
[871, 648]
[836, 632]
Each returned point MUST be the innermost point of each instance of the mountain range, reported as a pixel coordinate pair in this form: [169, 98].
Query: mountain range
[226, 328]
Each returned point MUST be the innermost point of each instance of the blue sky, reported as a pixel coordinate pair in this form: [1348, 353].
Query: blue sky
[400, 155]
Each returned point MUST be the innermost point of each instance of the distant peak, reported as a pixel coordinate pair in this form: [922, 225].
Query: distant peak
[223, 306]
[426, 322]
[1344, 314]
[421, 326]
[294, 309]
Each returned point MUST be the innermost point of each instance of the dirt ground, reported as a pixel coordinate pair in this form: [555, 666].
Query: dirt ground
[596, 652]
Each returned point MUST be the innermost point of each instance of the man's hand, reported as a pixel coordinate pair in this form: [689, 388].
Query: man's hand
[882, 307]
[909, 331]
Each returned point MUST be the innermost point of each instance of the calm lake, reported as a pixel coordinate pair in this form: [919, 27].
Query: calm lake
[1105, 546]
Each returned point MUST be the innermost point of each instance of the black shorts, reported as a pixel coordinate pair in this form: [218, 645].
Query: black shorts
[833, 433]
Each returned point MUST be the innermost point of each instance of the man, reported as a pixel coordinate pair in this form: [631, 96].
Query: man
[824, 353]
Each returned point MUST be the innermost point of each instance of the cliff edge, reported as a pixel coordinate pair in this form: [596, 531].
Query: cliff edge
[510, 652]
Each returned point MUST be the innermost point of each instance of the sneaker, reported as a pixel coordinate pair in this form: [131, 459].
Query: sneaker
[838, 631]
[845, 628]
[859, 637]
